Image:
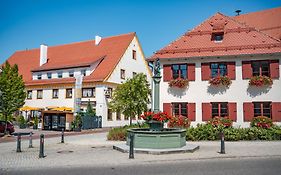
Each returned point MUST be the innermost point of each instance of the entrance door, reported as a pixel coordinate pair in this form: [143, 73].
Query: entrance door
[55, 121]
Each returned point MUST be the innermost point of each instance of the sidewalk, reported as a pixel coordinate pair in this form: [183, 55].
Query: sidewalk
[93, 150]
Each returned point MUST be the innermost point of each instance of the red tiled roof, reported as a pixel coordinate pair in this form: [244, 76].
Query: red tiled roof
[267, 21]
[239, 39]
[110, 50]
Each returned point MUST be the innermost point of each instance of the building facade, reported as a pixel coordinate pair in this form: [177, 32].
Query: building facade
[223, 60]
[76, 73]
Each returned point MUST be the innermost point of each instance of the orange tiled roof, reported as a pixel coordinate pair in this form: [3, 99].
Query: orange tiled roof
[239, 39]
[110, 50]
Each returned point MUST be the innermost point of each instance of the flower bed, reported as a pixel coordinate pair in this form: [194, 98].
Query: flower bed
[261, 122]
[223, 80]
[259, 81]
[220, 121]
[179, 122]
[179, 83]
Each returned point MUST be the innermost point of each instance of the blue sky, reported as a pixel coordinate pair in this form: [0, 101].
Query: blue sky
[29, 23]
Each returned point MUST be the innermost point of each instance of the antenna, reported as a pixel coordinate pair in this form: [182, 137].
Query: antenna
[238, 12]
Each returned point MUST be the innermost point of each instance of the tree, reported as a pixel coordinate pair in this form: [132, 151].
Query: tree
[12, 90]
[90, 111]
[132, 97]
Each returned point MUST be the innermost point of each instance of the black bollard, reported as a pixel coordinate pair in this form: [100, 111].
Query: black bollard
[62, 135]
[222, 144]
[19, 143]
[131, 151]
[41, 151]
[30, 140]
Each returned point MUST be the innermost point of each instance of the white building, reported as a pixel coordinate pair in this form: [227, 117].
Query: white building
[49, 73]
[239, 47]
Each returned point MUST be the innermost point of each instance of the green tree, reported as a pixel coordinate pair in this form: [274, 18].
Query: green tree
[132, 97]
[12, 90]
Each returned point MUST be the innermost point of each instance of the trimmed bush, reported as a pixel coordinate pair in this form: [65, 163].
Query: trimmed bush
[261, 122]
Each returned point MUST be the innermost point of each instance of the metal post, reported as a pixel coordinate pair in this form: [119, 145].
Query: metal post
[30, 140]
[62, 135]
[131, 151]
[41, 151]
[19, 143]
[222, 144]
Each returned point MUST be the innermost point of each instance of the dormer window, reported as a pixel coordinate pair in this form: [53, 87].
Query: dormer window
[49, 75]
[217, 37]
[71, 74]
[39, 76]
[59, 74]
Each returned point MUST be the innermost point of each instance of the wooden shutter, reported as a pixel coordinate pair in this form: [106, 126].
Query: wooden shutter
[276, 111]
[191, 72]
[191, 111]
[274, 69]
[231, 70]
[248, 108]
[205, 71]
[246, 69]
[206, 111]
[232, 109]
[167, 107]
[167, 72]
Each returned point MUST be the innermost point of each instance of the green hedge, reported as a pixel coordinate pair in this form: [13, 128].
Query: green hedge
[208, 132]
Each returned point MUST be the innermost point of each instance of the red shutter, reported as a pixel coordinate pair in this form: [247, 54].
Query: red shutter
[248, 111]
[167, 107]
[205, 71]
[276, 111]
[191, 111]
[232, 111]
[167, 72]
[191, 72]
[246, 69]
[206, 111]
[274, 69]
[231, 70]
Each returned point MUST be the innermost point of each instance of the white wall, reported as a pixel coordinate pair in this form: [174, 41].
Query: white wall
[199, 91]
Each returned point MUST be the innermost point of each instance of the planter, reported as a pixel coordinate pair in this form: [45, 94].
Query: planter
[155, 125]
[77, 129]
[179, 83]
[220, 81]
[260, 81]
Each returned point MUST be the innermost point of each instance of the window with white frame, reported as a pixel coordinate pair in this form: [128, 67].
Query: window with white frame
[88, 92]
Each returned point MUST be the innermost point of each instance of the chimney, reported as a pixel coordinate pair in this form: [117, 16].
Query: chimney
[43, 54]
[97, 40]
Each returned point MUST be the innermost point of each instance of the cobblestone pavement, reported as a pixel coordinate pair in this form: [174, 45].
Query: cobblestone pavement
[92, 150]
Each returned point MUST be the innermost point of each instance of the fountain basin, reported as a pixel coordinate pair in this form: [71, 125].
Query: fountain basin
[163, 139]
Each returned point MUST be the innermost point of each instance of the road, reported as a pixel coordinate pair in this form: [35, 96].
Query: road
[229, 166]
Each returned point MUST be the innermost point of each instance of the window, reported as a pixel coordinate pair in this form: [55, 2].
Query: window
[118, 115]
[88, 92]
[49, 75]
[122, 75]
[39, 76]
[219, 109]
[134, 54]
[55, 93]
[83, 72]
[179, 71]
[134, 74]
[39, 94]
[218, 69]
[260, 68]
[262, 109]
[68, 93]
[71, 74]
[179, 109]
[29, 94]
[109, 115]
[59, 74]
[217, 37]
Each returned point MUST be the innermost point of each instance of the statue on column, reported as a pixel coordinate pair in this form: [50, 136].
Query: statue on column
[157, 68]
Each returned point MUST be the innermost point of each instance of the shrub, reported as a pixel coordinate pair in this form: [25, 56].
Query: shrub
[221, 80]
[260, 81]
[180, 83]
[220, 122]
[22, 122]
[261, 122]
[179, 122]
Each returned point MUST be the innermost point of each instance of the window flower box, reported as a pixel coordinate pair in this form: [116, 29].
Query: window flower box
[259, 81]
[220, 81]
[179, 83]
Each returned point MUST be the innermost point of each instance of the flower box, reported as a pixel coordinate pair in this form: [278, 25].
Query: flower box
[260, 81]
[179, 83]
[220, 81]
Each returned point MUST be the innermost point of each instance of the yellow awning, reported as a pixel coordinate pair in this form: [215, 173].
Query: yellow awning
[63, 108]
[29, 108]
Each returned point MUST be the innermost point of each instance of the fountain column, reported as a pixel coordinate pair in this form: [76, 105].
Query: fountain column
[156, 80]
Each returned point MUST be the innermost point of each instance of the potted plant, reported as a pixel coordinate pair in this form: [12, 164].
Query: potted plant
[224, 122]
[220, 81]
[261, 122]
[22, 122]
[77, 123]
[260, 81]
[179, 83]
[35, 125]
[179, 122]
[155, 120]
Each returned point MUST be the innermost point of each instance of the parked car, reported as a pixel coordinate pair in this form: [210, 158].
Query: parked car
[10, 127]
